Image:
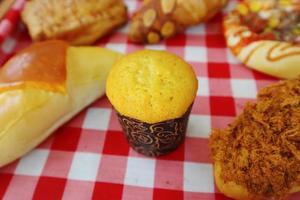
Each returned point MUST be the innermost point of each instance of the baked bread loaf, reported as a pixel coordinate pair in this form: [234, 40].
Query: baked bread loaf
[265, 36]
[258, 156]
[42, 87]
[158, 19]
[79, 22]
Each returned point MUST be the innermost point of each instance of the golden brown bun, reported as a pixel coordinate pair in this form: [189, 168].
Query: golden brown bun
[235, 191]
[158, 19]
[276, 58]
[44, 86]
[76, 21]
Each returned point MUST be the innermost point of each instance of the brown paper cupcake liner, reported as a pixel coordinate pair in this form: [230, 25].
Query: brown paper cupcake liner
[155, 139]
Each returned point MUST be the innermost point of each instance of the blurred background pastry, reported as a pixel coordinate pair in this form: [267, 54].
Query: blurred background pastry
[265, 36]
[159, 19]
[79, 22]
[5, 6]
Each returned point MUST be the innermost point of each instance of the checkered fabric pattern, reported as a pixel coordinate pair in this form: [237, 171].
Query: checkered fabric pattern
[89, 157]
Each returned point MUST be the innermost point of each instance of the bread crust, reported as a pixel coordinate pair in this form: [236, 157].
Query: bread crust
[235, 191]
[159, 19]
[229, 189]
[276, 58]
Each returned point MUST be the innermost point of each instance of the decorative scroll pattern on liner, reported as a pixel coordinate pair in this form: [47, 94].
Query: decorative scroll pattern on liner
[154, 139]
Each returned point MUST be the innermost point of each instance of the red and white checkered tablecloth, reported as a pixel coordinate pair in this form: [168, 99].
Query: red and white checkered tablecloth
[89, 157]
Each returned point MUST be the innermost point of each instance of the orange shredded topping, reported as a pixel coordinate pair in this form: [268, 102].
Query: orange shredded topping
[260, 150]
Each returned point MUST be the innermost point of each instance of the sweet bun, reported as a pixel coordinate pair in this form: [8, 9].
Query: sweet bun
[262, 50]
[79, 22]
[44, 86]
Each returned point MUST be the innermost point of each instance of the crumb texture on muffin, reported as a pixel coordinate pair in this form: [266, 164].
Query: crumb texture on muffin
[260, 150]
[151, 86]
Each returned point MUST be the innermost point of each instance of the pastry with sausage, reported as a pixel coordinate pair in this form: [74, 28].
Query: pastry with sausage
[265, 36]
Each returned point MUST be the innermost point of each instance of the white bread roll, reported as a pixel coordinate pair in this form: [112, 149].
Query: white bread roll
[44, 86]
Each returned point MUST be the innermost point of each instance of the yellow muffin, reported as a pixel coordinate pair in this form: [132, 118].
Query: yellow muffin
[151, 86]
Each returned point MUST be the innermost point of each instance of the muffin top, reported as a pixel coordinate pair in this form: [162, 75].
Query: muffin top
[151, 86]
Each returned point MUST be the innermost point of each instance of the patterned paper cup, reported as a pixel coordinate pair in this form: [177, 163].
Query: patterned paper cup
[155, 139]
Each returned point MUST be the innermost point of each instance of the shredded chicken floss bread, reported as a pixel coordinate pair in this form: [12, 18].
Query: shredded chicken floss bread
[260, 150]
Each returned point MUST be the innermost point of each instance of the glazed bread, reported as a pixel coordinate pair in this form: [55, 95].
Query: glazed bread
[76, 21]
[42, 87]
[151, 86]
[159, 19]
